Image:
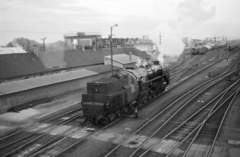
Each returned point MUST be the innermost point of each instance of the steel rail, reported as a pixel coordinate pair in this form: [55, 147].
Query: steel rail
[177, 65]
[219, 129]
[180, 75]
[184, 63]
[171, 84]
[221, 95]
[72, 145]
[23, 129]
[201, 124]
[173, 115]
[187, 73]
[45, 147]
[49, 142]
[200, 61]
[207, 118]
[200, 68]
[109, 153]
[182, 68]
[31, 134]
[232, 65]
[40, 136]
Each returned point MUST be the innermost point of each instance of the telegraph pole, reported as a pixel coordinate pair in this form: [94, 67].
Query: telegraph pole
[227, 49]
[215, 38]
[111, 29]
[160, 38]
[44, 43]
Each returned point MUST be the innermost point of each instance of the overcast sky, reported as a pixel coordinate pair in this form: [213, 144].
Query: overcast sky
[35, 19]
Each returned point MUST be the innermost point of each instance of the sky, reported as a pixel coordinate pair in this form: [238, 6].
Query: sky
[175, 19]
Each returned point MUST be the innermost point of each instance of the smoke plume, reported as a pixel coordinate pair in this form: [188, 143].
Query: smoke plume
[190, 15]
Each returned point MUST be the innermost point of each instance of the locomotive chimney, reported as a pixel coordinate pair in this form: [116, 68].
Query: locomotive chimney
[130, 56]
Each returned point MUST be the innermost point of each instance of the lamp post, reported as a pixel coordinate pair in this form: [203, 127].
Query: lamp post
[43, 43]
[112, 48]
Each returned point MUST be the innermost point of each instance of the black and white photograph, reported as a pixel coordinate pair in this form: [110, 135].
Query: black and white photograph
[119, 78]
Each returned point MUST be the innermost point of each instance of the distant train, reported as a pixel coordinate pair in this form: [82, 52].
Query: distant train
[110, 98]
[199, 51]
[203, 50]
[232, 47]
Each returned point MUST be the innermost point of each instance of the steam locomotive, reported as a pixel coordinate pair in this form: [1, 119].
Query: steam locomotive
[110, 98]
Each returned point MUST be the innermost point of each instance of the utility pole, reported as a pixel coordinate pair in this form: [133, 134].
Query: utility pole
[111, 29]
[215, 38]
[227, 49]
[44, 43]
[160, 38]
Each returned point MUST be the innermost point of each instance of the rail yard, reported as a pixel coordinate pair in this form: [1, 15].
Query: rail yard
[197, 115]
[137, 78]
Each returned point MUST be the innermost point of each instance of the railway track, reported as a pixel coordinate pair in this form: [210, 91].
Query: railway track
[40, 142]
[219, 57]
[23, 139]
[194, 71]
[175, 71]
[195, 62]
[31, 143]
[196, 122]
[194, 93]
[198, 60]
[63, 144]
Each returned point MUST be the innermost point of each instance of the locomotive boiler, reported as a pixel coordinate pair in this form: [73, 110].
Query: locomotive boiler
[110, 98]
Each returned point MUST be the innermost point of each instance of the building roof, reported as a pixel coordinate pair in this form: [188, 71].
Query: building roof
[26, 84]
[9, 50]
[18, 65]
[24, 64]
[124, 59]
[136, 52]
[115, 51]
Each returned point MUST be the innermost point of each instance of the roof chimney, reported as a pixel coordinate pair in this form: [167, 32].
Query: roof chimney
[36, 49]
[130, 56]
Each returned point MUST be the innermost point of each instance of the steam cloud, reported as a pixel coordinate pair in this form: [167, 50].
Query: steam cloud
[14, 43]
[190, 13]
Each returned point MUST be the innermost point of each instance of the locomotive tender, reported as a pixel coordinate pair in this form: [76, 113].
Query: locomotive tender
[110, 98]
